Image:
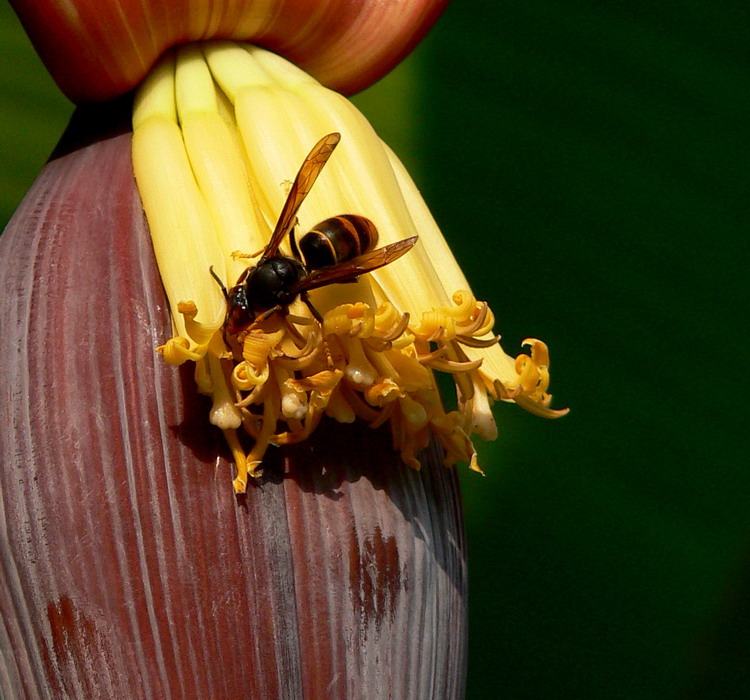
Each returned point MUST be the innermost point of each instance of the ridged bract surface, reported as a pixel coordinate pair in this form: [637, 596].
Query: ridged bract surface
[128, 569]
[99, 50]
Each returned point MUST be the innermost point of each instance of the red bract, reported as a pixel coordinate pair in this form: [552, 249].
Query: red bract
[98, 49]
[128, 568]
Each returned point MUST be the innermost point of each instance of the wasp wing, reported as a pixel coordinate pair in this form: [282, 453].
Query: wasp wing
[349, 270]
[302, 185]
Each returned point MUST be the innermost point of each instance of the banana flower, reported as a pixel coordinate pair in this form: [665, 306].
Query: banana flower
[216, 139]
[128, 568]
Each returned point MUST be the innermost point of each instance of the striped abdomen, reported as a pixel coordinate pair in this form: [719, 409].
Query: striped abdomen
[337, 240]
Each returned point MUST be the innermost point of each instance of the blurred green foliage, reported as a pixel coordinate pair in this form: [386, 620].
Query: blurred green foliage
[33, 113]
[588, 162]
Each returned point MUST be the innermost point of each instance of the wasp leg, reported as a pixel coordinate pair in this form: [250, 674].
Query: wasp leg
[239, 255]
[268, 312]
[306, 299]
[298, 338]
[326, 349]
[328, 354]
[218, 281]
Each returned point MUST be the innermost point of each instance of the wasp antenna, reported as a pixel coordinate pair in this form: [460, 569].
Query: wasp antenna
[219, 282]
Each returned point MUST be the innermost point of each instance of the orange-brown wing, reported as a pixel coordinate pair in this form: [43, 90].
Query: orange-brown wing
[302, 185]
[351, 269]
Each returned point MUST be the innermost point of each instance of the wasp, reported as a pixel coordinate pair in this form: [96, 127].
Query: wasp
[336, 250]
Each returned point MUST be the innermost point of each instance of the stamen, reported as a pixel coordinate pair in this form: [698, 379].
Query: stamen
[454, 366]
[389, 323]
[383, 368]
[360, 408]
[465, 305]
[224, 413]
[293, 399]
[202, 377]
[480, 314]
[414, 412]
[255, 397]
[411, 374]
[176, 351]
[383, 392]
[385, 415]
[339, 409]
[240, 461]
[262, 440]
[480, 324]
[291, 349]
[463, 382]
[436, 354]
[245, 377]
[436, 327]
[359, 370]
[478, 342]
[482, 422]
[354, 320]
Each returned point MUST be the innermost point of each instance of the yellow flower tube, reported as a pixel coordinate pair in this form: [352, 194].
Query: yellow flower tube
[182, 229]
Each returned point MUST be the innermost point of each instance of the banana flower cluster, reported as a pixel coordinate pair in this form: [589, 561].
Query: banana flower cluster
[220, 130]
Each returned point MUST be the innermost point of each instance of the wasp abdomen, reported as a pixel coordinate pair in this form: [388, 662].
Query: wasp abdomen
[338, 239]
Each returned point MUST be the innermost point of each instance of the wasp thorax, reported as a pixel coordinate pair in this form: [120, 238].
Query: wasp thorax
[268, 284]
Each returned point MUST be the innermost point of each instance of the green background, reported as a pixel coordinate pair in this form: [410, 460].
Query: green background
[588, 161]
